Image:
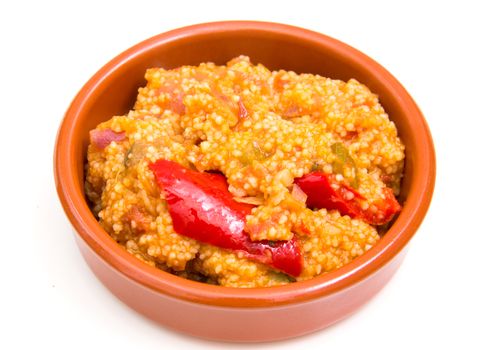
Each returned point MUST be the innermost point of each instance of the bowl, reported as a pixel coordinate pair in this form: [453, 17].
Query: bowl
[231, 314]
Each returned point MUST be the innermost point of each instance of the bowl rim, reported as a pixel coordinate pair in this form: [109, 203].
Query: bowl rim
[87, 227]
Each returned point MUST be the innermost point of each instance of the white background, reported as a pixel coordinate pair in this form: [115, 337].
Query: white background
[440, 53]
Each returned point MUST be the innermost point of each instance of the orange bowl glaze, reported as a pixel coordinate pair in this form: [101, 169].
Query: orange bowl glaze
[232, 314]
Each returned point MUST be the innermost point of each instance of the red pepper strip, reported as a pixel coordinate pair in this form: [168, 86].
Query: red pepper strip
[324, 191]
[202, 208]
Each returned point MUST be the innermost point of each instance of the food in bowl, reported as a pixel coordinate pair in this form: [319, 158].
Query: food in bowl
[242, 177]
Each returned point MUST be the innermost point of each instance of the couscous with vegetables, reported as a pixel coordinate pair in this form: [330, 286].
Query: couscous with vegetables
[240, 176]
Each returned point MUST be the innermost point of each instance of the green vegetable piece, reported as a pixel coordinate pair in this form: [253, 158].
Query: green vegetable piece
[126, 156]
[253, 151]
[344, 160]
[281, 277]
[135, 154]
[315, 166]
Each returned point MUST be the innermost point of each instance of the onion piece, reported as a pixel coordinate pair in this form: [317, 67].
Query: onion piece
[102, 138]
[298, 194]
[250, 200]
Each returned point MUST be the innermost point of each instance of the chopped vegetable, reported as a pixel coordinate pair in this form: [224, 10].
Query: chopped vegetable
[250, 200]
[242, 110]
[253, 151]
[135, 154]
[281, 277]
[315, 166]
[176, 103]
[385, 209]
[298, 194]
[139, 222]
[102, 138]
[324, 191]
[202, 208]
[175, 97]
[344, 160]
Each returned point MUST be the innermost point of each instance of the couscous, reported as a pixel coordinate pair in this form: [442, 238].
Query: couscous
[240, 176]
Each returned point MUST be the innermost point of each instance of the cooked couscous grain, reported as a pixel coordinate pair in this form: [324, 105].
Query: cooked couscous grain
[261, 130]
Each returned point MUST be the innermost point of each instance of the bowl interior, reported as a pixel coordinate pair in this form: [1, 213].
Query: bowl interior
[112, 91]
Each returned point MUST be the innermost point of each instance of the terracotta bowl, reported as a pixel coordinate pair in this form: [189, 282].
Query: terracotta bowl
[226, 313]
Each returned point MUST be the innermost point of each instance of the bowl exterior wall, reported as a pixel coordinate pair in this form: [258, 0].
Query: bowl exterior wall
[238, 324]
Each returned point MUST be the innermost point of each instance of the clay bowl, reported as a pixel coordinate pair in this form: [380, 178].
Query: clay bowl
[226, 313]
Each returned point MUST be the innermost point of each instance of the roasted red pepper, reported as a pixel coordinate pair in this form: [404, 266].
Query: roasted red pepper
[324, 191]
[202, 208]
